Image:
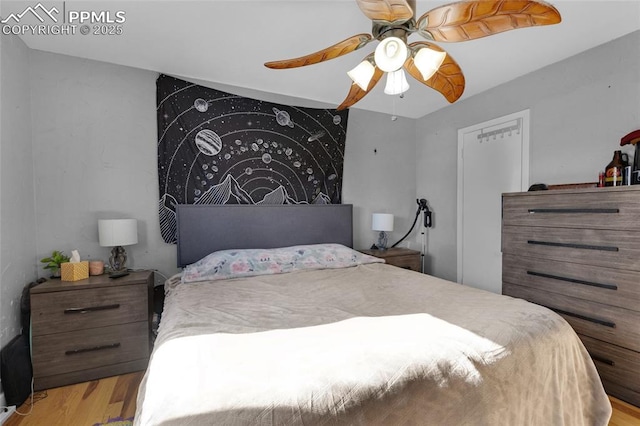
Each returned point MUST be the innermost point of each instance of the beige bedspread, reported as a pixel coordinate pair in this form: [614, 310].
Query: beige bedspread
[366, 345]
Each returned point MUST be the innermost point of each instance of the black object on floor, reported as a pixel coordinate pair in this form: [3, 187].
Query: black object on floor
[16, 371]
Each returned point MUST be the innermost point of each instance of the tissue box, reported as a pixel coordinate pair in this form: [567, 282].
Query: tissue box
[74, 271]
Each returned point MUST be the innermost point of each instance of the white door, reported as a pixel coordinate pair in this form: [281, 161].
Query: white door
[493, 157]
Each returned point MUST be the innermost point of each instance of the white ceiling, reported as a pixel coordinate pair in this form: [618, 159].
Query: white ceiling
[228, 41]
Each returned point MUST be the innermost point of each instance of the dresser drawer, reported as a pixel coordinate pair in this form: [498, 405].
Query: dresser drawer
[618, 368]
[598, 208]
[612, 249]
[86, 349]
[87, 308]
[604, 322]
[614, 364]
[621, 392]
[615, 287]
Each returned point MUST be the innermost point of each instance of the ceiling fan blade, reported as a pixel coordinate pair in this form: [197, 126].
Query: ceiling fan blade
[356, 93]
[469, 20]
[448, 80]
[345, 46]
[388, 10]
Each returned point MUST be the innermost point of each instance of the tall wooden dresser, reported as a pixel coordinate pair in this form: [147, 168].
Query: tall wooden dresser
[578, 253]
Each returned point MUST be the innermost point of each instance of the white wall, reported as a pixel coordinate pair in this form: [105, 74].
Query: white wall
[94, 136]
[580, 108]
[17, 234]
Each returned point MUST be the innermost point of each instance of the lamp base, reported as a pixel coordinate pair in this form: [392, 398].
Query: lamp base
[382, 241]
[118, 274]
[118, 260]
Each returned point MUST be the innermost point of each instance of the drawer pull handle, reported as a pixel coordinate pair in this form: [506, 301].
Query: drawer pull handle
[606, 211]
[93, 349]
[573, 280]
[91, 309]
[602, 360]
[586, 318]
[573, 245]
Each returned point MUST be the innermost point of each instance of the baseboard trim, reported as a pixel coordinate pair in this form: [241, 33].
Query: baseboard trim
[6, 413]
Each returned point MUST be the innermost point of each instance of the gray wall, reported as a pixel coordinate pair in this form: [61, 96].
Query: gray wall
[94, 139]
[379, 174]
[580, 108]
[17, 223]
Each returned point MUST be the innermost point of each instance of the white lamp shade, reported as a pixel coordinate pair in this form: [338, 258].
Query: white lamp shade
[391, 54]
[397, 83]
[428, 61]
[362, 74]
[117, 232]
[382, 222]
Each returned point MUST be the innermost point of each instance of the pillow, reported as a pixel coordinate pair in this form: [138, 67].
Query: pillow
[226, 264]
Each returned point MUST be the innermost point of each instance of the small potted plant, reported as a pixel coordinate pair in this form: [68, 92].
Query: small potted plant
[53, 262]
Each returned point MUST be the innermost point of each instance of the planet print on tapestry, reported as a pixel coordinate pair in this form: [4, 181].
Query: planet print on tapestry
[208, 142]
[201, 105]
[315, 136]
[282, 117]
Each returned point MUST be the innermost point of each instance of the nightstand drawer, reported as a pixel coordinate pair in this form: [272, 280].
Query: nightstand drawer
[612, 249]
[87, 308]
[604, 322]
[407, 262]
[600, 208]
[614, 363]
[397, 256]
[615, 287]
[86, 349]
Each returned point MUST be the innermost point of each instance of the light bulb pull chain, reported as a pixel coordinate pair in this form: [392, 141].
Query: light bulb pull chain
[394, 117]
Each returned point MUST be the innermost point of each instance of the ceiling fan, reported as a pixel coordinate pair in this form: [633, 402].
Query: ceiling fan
[394, 21]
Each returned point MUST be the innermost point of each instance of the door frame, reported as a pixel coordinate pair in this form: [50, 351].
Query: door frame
[524, 115]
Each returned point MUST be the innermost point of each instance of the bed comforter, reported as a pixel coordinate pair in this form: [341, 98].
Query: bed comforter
[365, 345]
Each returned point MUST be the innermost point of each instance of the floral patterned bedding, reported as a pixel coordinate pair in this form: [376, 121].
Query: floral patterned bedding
[227, 264]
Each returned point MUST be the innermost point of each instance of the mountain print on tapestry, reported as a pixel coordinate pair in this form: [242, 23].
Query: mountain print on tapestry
[219, 148]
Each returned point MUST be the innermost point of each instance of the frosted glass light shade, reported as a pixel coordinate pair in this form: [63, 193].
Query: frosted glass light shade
[391, 54]
[117, 232]
[382, 222]
[362, 74]
[428, 61]
[397, 83]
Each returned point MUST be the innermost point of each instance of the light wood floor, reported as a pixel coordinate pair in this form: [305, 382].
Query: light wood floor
[86, 404]
[83, 404]
[624, 414]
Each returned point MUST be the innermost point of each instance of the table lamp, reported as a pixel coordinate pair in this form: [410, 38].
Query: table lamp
[382, 222]
[117, 233]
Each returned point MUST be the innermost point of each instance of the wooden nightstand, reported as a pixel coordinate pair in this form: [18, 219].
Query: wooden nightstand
[401, 257]
[89, 329]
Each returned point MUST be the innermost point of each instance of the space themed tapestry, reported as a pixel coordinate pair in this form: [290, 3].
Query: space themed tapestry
[219, 148]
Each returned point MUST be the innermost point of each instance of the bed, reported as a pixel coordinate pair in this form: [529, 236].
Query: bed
[274, 323]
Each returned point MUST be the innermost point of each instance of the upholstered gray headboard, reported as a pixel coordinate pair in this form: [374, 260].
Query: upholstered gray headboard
[203, 229]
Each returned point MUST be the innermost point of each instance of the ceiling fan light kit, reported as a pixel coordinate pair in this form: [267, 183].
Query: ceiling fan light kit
[397, 83]
[428, 61]
[391, 54]
[393, 21]
[362, 74]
